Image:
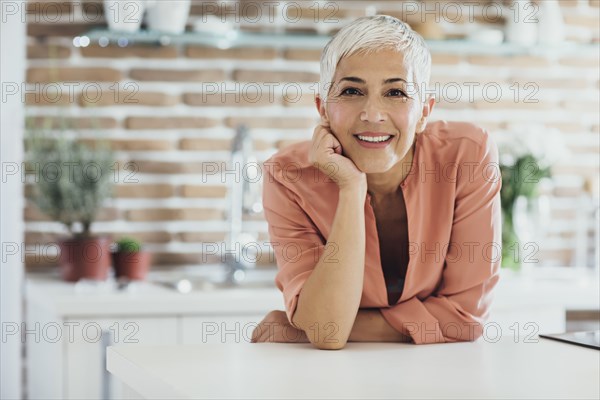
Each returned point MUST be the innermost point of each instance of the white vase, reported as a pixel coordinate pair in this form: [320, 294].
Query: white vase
[551, 27]
[167, 16]
[521, 27]
[531, 218]
[124, 15]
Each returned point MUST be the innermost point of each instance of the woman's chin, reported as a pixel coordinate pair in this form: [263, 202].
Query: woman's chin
[375, 167]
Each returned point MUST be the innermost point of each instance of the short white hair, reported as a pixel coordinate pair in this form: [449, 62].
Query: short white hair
[369, 34]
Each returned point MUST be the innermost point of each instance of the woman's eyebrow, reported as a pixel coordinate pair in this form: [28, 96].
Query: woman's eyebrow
[359, 80]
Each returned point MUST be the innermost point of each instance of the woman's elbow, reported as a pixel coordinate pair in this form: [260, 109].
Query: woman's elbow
[329, 345]
[324, 335]
[331, 341]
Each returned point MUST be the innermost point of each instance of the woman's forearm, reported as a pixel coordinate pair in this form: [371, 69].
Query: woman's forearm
[370, 326]
[330, 298]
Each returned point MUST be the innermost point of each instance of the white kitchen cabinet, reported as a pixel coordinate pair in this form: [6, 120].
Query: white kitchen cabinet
[44, 356]
[85, 357]
[66, 356]
[67, 329]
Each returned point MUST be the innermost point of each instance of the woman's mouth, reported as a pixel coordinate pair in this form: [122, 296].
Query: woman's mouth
[374, 142]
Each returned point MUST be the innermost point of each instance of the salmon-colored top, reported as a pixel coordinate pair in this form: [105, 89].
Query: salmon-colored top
[452, 196]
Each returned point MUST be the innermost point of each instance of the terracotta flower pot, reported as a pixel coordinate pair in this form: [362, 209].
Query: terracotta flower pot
[85, 258]
[132, 266]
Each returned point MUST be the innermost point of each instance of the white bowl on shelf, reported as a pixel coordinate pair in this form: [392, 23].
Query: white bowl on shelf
[212, 24]
[124, 16]
[167, 16]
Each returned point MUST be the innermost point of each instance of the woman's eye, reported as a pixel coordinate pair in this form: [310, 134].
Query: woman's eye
[350, 91]
[397, 93]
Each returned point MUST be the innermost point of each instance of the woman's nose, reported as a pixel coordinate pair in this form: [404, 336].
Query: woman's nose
[373, 111]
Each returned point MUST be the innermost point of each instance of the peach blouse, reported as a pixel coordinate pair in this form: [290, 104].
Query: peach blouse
[452, 196]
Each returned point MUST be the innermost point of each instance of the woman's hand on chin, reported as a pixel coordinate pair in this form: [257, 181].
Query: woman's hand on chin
[326, 155]
[276, 328]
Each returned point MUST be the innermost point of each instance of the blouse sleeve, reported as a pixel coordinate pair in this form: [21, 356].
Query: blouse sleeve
[459, 308]
[296, 241]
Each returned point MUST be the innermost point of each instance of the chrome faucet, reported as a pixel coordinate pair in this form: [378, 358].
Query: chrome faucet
[244, 199]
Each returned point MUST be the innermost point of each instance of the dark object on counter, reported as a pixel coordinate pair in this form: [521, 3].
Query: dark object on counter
[590, 339]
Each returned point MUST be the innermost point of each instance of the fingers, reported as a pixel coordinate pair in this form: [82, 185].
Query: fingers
[256, 336]
[324, 139]
[261, 332]
[319, 133]
[336, 145]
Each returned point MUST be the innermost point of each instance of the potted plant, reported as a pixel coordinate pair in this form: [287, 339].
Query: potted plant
[526, 159]
[130, 261]
[71, 184]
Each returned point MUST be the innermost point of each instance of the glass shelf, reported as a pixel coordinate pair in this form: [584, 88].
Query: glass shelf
[227, 40]
[236, 39]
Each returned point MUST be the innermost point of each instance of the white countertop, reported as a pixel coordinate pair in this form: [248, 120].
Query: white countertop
[568, 288]
[482, 369]
[144, 298]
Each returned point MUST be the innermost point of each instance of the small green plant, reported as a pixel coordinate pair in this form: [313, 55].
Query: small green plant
[72, 179]
[526, 160]
[128, 245]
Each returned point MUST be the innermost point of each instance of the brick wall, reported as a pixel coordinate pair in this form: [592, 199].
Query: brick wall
[149, 101]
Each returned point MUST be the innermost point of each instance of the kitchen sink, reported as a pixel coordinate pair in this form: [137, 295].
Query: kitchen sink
[190, 280]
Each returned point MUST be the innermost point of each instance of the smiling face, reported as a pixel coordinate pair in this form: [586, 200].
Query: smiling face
[373, 95]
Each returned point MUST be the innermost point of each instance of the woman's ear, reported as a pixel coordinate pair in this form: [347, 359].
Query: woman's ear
[321, 108]
[427, 109]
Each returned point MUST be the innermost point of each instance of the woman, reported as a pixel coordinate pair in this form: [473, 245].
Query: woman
[385, 227]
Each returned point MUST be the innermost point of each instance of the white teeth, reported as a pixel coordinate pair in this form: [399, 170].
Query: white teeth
[374, 139]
